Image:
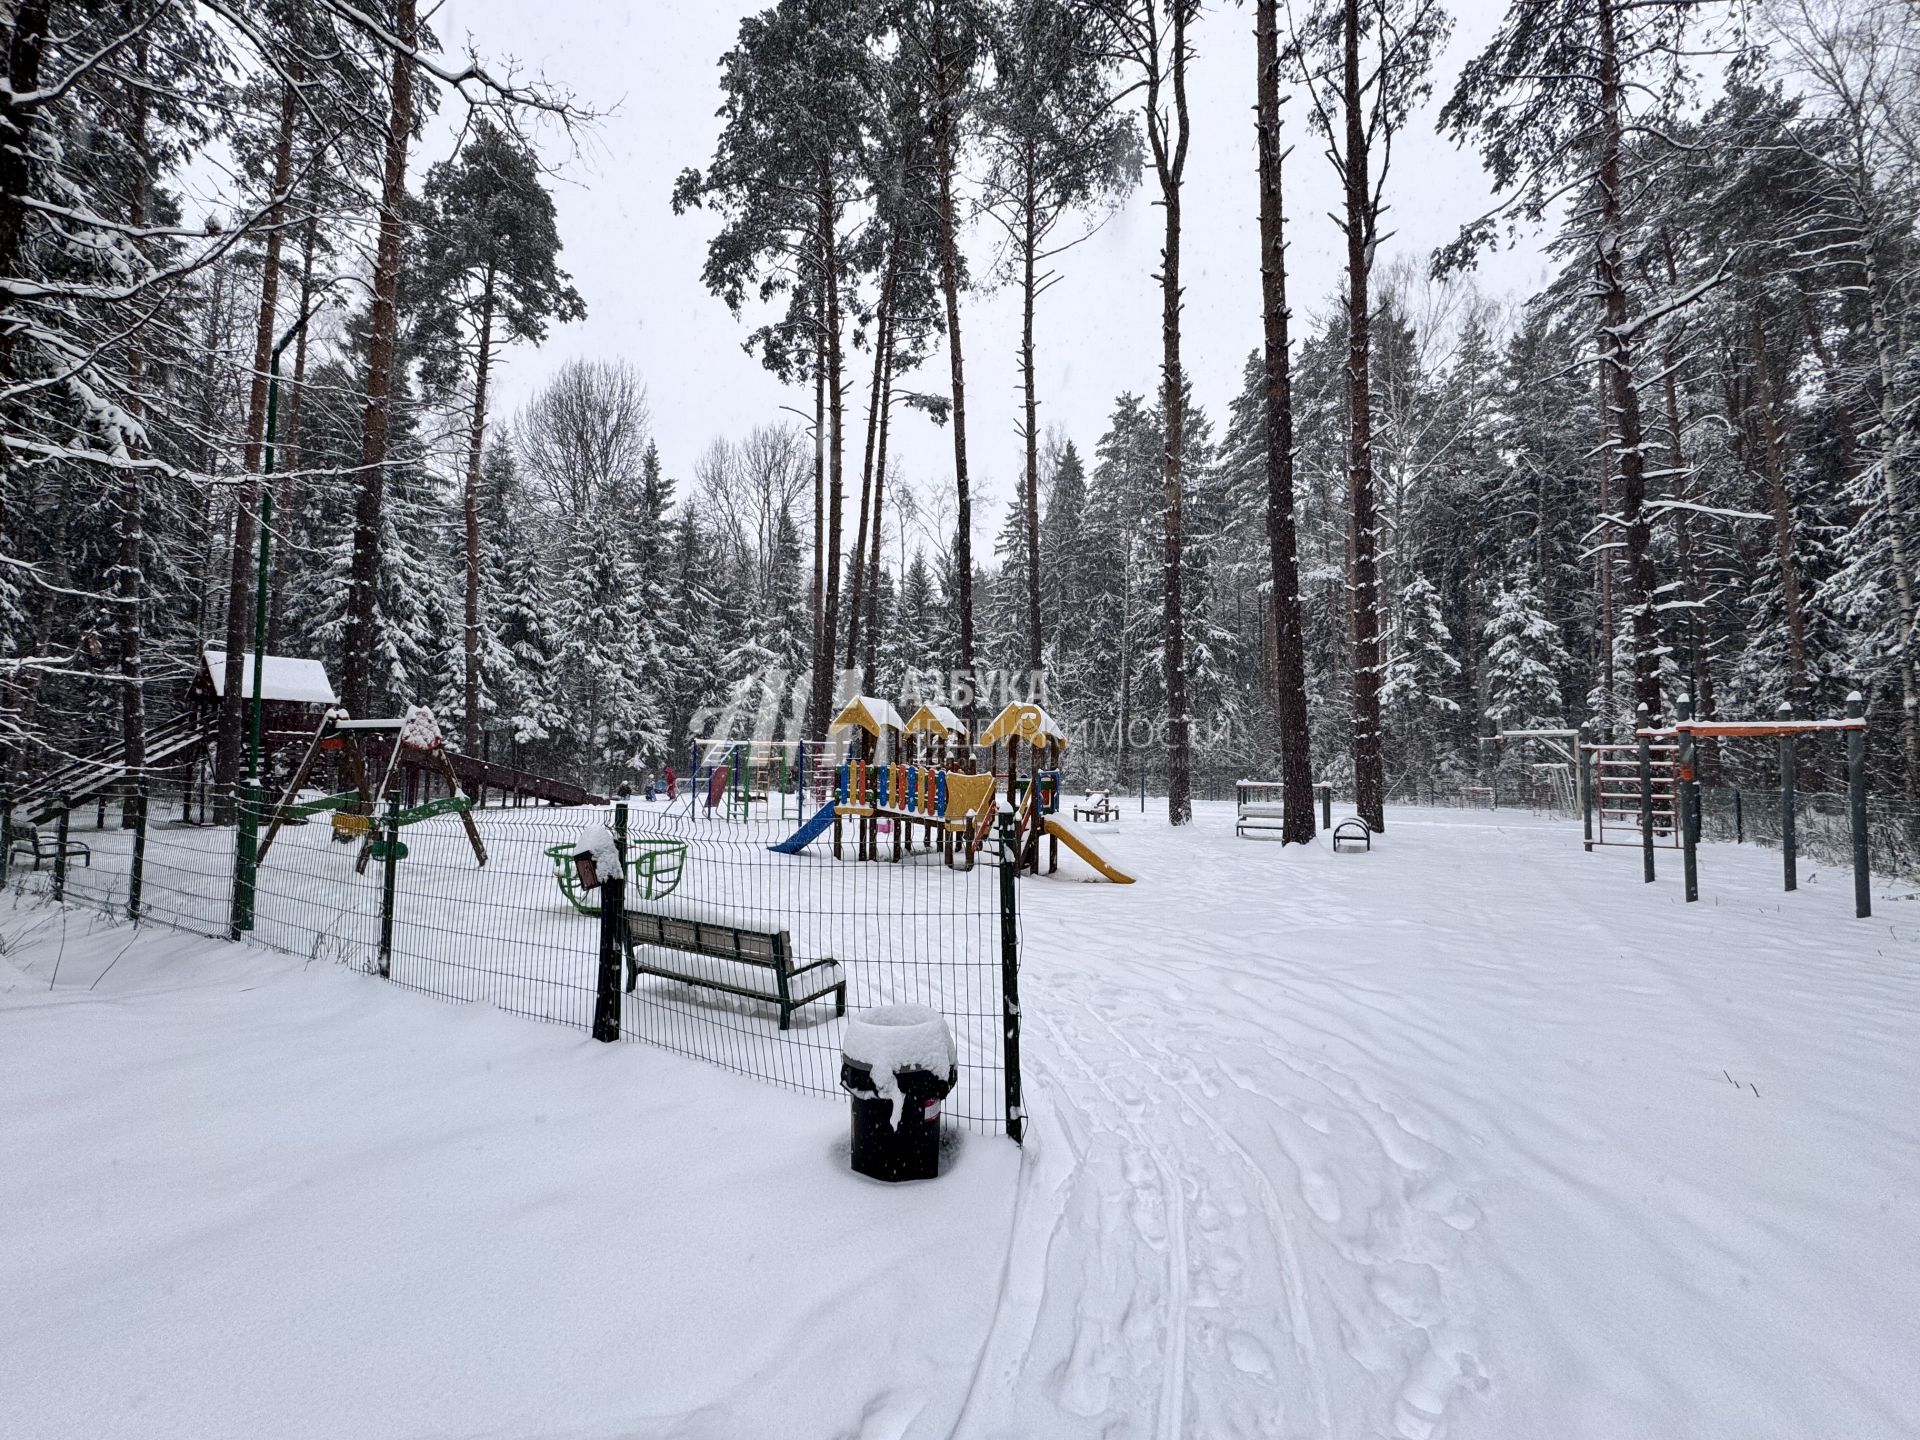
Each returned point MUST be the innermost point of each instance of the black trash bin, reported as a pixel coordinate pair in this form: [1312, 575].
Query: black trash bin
[897, 1063]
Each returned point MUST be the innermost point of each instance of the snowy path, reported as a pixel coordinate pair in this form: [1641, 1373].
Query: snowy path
[1475, 1135]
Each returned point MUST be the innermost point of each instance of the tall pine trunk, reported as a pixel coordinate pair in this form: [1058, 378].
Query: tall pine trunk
[856, 600]
[816, 703]
[26, 47]
[836, 459]
[470, 513]
[1169, 148]
[1029, 244]
[287, 446]
[1682, 486]
[1289, 643]
[237, 680]
[1603, 566]
[946, 123]
[370, 495]
[1616, 353]
[870, 665]
[1774, 451]
[1369, 781]
[127, 587]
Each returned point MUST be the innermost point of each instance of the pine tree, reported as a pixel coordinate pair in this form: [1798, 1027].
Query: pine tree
[488, 276]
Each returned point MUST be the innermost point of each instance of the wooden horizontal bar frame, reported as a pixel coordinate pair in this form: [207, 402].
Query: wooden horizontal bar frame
[1752, 729]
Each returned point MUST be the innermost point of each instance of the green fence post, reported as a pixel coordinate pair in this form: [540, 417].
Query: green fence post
[1644, 723]
[60, 847]
[389, 880]
[1857, 805]
[1010, 982]
[1787, 845]
[1739, 821]
[6, 830]
[137, 875]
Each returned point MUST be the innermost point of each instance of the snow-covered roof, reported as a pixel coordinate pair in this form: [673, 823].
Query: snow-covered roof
[282, 677]
[937, 720]
[1023, 722]
[868, 714]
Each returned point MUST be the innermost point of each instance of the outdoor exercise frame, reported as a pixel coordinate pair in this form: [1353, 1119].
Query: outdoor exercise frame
[1686, 733]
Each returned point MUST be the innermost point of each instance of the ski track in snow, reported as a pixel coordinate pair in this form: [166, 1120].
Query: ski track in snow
[1297, 1116]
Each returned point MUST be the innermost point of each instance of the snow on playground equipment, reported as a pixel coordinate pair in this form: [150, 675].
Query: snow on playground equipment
[655, 864]
[920, 791]
[1035, 797]
[417, 733]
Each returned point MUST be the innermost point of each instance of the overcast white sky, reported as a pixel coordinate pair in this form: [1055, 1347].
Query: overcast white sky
[653, 65]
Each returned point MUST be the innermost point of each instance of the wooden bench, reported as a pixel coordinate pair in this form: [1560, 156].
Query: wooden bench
[734, 956]
[27, 840]
[1097, 812]
[1353, 829]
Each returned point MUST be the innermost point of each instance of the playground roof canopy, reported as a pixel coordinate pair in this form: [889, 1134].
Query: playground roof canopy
[868, 714]
[285, 678]
[937, 720]
[1020, 721]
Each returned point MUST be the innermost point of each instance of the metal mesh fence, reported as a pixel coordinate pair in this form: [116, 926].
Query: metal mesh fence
[513, 934]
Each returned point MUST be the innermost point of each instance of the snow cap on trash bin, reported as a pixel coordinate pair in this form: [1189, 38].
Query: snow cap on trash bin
[890, 1038]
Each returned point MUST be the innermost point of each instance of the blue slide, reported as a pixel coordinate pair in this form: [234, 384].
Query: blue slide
[807, 833]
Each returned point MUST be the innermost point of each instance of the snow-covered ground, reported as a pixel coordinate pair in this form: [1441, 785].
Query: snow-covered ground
[1473, 1135]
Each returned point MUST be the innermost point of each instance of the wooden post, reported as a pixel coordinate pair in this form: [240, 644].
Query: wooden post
[1857, 806]
[6, 830]
[1739, 821]
[1645, 722]
[1684, 791]
[1787, 843]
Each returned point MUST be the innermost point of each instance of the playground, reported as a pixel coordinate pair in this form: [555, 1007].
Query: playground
[1471, 1134]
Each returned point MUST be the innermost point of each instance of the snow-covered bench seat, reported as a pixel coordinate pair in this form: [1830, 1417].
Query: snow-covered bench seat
[1259, 805]
[755, 964]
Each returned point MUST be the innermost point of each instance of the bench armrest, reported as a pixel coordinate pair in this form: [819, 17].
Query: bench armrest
[813, 965]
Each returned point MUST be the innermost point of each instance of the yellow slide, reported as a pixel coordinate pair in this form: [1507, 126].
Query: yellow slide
[1060, 830]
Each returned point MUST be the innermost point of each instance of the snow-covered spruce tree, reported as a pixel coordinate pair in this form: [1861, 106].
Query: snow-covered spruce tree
[1554, 101]
[1524, 662]
[1421, 718]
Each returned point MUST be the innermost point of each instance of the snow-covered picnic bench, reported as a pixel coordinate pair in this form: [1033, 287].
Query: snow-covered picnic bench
[1098, 810]
[754, 964]
[1259, 805]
